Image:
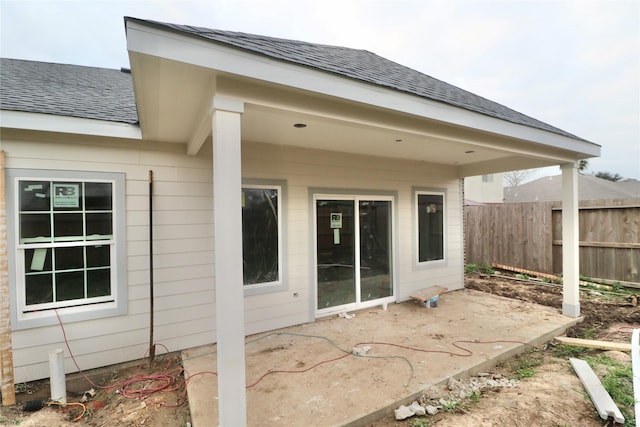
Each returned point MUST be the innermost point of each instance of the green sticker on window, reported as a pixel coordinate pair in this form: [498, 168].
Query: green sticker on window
[66, 195]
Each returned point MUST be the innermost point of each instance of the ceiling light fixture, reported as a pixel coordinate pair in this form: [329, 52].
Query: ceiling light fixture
[300, 125]
[469, 152]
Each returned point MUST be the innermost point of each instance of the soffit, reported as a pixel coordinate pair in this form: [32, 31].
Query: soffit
[174, 98]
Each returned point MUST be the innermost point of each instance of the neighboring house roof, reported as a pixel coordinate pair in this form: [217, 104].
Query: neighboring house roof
[360, 65]
[549, 189]
[67, 90]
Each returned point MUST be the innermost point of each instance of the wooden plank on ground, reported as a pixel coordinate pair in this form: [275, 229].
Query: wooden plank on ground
[430, 292]
[524, 271]
[601, 399]
[600, 345]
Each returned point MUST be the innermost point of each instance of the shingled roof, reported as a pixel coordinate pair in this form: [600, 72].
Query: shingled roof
[359, 65]
[67, 90]
[106, 94]
[549, 189]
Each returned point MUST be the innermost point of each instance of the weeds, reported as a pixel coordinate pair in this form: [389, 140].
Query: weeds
[526, 364]
[420, 422]
[618, 381]
[478, 268]
[475, 396]
[566, 351]
[453, 405]
[589, 333]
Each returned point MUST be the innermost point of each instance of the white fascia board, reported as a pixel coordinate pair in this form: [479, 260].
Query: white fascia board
[65, 124]
[189, 49]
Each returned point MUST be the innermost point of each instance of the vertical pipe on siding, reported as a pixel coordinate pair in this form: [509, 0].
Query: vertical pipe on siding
[6, 352]
[152, 348]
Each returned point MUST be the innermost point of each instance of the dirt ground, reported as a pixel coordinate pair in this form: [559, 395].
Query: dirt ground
[553, 396]
[125, 395]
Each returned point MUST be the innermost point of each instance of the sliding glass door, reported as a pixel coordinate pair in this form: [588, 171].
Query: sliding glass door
[353, 252]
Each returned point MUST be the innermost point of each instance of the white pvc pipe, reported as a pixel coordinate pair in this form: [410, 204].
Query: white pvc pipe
[57, 376]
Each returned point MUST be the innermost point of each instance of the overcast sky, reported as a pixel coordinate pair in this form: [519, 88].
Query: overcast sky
[572, 64]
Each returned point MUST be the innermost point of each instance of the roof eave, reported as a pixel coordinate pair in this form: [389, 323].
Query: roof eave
[149, 39]
[69, 125]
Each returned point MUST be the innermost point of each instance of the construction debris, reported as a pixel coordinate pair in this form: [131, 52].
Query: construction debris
[345, 315]
[554, 278]
[600, 345]
[601, 399]
[430, 296]
[361, 351]
[454, 393]
[403, 412]
[525, 271]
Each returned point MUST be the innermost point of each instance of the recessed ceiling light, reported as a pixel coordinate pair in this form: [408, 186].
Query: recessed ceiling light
[399, 140]
[469, 152]
[300, 125]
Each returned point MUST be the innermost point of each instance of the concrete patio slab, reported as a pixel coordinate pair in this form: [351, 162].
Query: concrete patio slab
[308, 375]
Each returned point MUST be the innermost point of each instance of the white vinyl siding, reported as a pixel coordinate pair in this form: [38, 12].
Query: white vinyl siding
[183, 251]
[340, 172]
[183, 241]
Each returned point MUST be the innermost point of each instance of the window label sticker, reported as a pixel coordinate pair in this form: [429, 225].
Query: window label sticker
[39, 256]
[336, 220]
[66, 195]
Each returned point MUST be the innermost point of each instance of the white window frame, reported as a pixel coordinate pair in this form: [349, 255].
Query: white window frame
[416, 244]
[23, 316]
[281, 283]
[355, 197]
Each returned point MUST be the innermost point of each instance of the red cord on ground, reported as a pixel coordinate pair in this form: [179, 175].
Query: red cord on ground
[138, 386]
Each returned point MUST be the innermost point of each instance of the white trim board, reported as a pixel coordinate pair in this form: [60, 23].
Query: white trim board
[66, 124]
[601, 399]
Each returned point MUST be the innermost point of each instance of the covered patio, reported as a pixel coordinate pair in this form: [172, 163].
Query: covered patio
[307, 374]
[328, 122]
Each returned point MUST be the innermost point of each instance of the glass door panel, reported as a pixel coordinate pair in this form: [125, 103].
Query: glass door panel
[375, 249]
[335, 248]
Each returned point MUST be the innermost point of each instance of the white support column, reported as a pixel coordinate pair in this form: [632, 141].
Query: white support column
[570, 241]
[227, 224]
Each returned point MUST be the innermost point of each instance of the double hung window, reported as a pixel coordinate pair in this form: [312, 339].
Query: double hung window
[68, 235]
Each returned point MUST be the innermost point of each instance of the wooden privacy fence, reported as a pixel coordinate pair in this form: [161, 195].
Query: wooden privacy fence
[529, 235]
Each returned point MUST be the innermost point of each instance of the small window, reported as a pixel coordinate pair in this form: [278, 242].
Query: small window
[261, 234]
[67, 230]
[430, 217]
